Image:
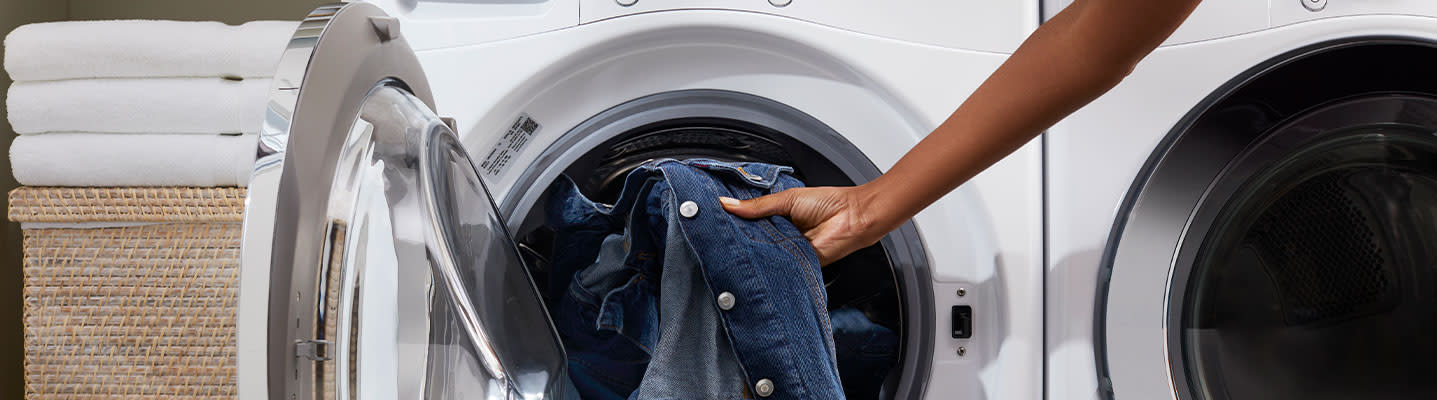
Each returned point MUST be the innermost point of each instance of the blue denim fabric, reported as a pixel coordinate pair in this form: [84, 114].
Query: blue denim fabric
[866, 352]
[617, 332]
[693, 358]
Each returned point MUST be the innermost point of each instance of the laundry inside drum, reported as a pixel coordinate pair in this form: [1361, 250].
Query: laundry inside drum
[862, 288]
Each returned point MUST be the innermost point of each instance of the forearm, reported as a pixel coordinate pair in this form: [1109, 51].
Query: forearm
[1072, 59]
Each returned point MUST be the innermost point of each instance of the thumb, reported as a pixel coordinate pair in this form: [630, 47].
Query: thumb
[775, 204]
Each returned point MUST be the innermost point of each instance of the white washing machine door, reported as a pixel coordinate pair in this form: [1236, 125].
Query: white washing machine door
[389, 273]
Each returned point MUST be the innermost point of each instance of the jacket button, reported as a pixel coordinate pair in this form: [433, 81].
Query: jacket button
[764, 387]
[726, 301]
[689, 209]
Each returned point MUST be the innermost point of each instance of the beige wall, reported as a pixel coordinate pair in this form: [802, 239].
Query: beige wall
[14, 13]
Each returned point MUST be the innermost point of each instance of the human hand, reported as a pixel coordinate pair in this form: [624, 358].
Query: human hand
[836, 220]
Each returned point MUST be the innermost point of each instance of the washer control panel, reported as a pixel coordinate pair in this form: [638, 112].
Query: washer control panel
[1287, 12]
[984, 25]
[1215, 19]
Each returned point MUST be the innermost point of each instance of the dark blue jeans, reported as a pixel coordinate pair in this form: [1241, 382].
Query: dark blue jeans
[866, 352]
[665, 295]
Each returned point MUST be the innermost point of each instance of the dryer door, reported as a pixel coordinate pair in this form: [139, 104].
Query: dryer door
[1282, 245]
[388, 271]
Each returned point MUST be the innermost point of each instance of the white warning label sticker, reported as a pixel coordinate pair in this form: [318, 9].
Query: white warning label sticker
[509, 145]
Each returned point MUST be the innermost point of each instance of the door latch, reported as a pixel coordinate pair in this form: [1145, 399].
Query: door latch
[312, 349]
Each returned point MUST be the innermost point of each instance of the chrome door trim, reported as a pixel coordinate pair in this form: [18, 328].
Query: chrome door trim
[337, 55]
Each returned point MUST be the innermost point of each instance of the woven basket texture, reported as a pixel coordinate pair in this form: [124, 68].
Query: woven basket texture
[141, 311]
[51, 204]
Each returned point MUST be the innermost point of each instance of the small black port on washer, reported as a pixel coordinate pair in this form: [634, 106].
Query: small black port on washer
[962, 322]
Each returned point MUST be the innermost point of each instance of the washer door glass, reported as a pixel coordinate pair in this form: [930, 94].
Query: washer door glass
[430, 297]
[1317, 278]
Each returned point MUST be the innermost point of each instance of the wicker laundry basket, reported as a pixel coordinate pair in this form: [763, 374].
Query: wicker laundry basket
[129, 292]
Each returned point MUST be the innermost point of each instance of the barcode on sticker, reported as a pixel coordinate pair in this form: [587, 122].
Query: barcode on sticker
[509, 145]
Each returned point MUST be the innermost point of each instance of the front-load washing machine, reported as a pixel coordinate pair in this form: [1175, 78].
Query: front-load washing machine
[393, 238]
[1250, 214]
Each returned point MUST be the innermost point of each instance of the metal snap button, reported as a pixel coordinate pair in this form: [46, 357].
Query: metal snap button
[726, 301]
[764, 387]
[689, 209]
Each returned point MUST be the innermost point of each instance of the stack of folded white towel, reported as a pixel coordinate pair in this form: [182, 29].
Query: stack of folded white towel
[139, 103]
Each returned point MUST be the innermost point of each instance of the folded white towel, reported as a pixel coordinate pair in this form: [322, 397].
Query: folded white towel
[138, 49]
[185, 105]
[133, 160]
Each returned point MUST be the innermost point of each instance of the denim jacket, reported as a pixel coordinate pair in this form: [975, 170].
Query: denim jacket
[743, 311]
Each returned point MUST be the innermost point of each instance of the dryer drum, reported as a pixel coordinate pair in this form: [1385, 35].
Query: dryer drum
[1319, 270]
[1322, 250]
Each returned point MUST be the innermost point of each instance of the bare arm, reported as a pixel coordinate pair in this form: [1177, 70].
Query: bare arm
[1072, 59]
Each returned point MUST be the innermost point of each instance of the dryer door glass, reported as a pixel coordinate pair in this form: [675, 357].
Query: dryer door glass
[1282, 243]
[1318, 279]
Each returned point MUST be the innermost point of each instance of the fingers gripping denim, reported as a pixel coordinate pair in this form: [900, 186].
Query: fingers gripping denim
[640, 281]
